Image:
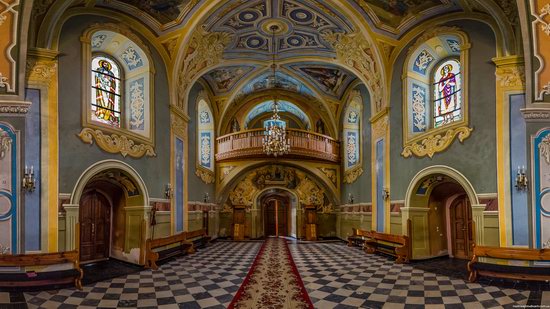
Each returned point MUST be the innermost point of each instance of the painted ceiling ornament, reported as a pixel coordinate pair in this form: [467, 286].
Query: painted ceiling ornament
[354, 51]
[205, 50]
[436, 143]
[544, 148]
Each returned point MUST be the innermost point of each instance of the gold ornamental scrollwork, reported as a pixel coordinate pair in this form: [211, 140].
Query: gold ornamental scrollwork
[352, 175]
[513, 76]
[116, 143]
[206, 176]
[436, 143]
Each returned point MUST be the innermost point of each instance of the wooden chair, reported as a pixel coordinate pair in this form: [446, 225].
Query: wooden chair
[477, 268]
[32, 279]
[172, 246]
[395, 245]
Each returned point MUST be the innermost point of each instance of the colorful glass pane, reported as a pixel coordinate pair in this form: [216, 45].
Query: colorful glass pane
[447, 84]
[106, 99]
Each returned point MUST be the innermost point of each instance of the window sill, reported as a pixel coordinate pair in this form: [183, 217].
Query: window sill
[115, 143]
[436, 141]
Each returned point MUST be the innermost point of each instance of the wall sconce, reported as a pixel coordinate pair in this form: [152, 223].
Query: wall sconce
[5, 142]
[206, 197]
[386, 194]
[168, 191]
[28, 179]
[521, 179]
[350, 198]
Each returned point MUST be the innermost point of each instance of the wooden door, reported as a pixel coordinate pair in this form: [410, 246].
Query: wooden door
[95, 227]
[276, 218]
[461, 227]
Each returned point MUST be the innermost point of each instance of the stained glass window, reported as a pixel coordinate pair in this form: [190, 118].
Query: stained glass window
[106, 90]
[447, 85]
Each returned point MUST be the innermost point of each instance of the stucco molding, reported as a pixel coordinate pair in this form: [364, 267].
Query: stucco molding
[16, 108]
[536, 114]
[115, 143]
[435, 143]
[205, 175]
[352, 175]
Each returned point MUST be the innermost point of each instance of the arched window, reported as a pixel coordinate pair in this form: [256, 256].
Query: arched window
[435, 101]
[106, 91]
[118, 97]
[447, 93]
[205, 139]
[352, 137]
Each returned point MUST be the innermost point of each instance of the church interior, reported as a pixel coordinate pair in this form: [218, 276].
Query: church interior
[274, 153]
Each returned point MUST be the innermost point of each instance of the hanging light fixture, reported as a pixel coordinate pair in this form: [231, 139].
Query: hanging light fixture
[275, 142]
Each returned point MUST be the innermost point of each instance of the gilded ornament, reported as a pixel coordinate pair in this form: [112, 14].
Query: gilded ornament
[330, 173]
[354, 50]
[225, 170]
[352, 175]
[206, 176]
[116, 143]
[435, 143]
[511, 76]
[541, 18]
[41, 70]
[205, 50]
[178, 124]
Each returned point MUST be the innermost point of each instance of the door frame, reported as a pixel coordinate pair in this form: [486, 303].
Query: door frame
[110, 218]
[288, 216]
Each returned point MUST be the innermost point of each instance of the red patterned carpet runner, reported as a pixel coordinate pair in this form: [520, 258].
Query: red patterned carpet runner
[272, 281]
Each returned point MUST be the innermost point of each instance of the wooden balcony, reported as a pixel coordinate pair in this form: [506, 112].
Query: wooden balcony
[303, 145]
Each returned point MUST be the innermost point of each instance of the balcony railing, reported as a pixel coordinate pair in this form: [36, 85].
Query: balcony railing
[303, 144]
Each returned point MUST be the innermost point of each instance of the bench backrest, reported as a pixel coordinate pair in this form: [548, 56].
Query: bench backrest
[398, 239]
[39, 259]
[513, 253]
[197, 233]
[164, 241]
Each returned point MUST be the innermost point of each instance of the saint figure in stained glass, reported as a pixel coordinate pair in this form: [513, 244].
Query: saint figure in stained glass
[105, 91]
[447, 93]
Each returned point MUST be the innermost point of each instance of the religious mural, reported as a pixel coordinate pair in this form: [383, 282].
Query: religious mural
[307, 190]
[106, 79]
[223, 79]
[8, 190]
[164, 11]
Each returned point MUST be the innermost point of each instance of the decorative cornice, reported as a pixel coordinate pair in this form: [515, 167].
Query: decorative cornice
[116, 143]
[206, 176]
[435, 143]
[536, 114]
[352, 175]
[11, 107]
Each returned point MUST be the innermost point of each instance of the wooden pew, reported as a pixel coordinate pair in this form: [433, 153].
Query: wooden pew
[357, 237]
[395, 245]
[199, 236]
[173, 245]
[477, 268]
[32, 279]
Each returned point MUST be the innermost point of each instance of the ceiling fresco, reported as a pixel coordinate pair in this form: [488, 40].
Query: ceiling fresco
[266, 81]
[331, 80]
[224, 79]
[395, 17]
[163, 11]
[300, 24]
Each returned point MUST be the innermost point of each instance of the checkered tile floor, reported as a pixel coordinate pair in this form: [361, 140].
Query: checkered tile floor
[206, 279]
[337, 276]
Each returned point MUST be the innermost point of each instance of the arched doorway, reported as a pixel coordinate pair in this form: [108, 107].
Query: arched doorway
[276, 213]
[439, 208]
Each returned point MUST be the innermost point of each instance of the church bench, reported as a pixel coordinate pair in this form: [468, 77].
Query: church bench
[357, 237]
[199, 237]
[395, 245]
[511, 269]
[166, 247]
[37, 279]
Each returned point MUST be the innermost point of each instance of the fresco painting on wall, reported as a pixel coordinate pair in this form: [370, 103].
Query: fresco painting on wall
[164, 11]
[222, 80]
[393, 12]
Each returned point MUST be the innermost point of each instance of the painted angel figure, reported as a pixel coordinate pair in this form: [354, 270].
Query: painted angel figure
[447, 88]
[106, 89]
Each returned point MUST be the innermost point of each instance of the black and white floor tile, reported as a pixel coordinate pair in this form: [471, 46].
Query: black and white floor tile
[335, 276]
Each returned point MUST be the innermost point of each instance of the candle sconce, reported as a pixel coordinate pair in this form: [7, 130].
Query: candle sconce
[206, 197]
[168, 191]
[28, 184]
[522, 183]
[386, 194]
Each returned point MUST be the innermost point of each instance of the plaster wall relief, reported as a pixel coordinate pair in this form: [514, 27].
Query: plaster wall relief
[115, 143]
[352, 133]
[540, 10]
[541, 188]
[8, 190]
[306, 189]
[9, 16]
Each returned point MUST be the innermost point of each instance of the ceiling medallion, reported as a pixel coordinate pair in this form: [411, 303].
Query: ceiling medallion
[280, 27]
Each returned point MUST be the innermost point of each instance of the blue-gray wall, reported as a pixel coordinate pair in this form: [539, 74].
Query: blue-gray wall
[74, 155]
[476, 157]
[361, 188]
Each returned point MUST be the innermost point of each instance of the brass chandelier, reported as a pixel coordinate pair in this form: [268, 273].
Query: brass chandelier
[275, 142]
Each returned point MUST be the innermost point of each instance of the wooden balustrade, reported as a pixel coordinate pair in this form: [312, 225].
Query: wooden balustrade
[303, 144]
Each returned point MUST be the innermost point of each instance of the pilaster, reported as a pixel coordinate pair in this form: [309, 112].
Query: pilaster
[477, 217]
[420, 238]
[71, 221]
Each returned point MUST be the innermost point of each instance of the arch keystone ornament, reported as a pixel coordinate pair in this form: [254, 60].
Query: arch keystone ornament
[116, 143]
[436, 143]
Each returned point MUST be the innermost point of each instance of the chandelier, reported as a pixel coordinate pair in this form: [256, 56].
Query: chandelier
[275, 142]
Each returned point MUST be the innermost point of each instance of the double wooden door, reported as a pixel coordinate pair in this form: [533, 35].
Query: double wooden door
[95, 227]
[276, 218]
[461, 228]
